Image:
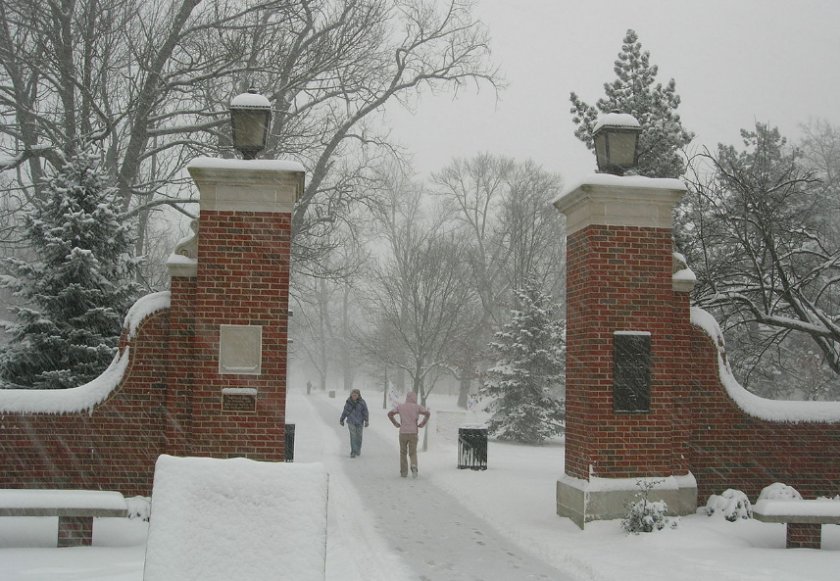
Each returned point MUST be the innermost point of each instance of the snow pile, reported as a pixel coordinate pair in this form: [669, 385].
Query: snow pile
[139, 507]
[67, 499]
[779, 499]
[250, 101]
[779, 491]
[275, 165]
[597, 484]
[626, 183]
[237, 519]
[615, 120]
[145, 307]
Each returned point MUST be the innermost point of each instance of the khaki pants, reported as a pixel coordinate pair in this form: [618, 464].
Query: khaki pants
[408, 448]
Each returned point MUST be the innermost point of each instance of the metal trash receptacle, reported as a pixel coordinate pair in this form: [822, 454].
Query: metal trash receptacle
[472, 448]
[290, 443]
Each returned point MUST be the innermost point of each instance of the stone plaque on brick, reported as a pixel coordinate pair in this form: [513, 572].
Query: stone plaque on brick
[239, 399]
[631, 371]
[240, 349]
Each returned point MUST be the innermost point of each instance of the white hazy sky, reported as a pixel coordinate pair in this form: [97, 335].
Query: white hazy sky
[735, 62]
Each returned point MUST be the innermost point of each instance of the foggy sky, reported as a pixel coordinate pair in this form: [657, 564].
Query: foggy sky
[735, 62]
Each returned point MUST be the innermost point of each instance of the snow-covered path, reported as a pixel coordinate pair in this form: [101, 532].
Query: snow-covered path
[432, 533]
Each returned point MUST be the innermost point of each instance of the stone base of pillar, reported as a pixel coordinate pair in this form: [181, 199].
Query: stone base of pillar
[608, 498]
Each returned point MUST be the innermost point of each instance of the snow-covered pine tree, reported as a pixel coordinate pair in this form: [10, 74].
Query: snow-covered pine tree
[654, 106]
[529, 373]
[76, 289]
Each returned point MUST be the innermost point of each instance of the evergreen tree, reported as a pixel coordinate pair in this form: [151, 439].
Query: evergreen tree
[636, 92]
[528, 374]
[78, 286]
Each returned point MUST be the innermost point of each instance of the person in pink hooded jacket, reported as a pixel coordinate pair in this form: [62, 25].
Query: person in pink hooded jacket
[409, 425]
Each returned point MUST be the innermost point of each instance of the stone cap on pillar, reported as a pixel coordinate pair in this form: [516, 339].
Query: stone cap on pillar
[247, 185]
[611, 200]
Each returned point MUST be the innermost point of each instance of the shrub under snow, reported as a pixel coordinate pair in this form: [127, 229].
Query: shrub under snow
[779, 491]
[645, 515]
[732, 505]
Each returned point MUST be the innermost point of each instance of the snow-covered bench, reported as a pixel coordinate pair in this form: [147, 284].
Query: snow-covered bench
[75, 509]
[221, 519]
[804, 518]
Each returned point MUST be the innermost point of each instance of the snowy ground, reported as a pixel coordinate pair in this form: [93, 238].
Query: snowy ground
[450, 524]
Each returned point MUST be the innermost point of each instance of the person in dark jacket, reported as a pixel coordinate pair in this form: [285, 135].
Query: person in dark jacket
[356, 414]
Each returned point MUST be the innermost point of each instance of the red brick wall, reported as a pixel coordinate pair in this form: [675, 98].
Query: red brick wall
[619, 279]
[730, 449]
[113, 447]
[170, 400]
[243, 279]
[178, 404]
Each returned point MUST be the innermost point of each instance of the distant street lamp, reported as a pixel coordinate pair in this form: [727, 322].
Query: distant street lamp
[250, 118]
[616, 138]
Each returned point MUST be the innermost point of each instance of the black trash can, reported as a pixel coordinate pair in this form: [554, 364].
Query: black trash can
[290, 443]
[472, 448]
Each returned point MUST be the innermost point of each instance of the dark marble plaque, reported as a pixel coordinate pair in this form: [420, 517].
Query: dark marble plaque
[631, 372]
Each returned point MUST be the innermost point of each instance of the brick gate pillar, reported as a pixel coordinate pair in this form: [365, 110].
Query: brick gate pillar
[627, 341]
[229, 308]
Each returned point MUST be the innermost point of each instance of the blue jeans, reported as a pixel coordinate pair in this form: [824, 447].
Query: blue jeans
[355, 438]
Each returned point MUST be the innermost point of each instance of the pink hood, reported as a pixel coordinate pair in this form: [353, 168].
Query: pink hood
[410, 413]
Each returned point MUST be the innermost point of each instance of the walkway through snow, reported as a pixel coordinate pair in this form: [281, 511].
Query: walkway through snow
[419, 531]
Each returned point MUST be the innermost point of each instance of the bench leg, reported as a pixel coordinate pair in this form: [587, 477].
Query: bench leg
[75, 531]
[804, 535]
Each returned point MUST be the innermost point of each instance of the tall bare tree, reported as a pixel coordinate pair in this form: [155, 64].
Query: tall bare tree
[150, 81]
[513, 236]
[418, 296]
[768, 262]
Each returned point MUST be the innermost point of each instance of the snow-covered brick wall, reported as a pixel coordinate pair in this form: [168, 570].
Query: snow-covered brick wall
[103, 436]
[167, 392]
[741, 441]
[619, 279]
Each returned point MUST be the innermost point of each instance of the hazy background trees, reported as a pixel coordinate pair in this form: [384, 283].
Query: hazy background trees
[147, 86]
[513, 235]
[417, 293]
[393, 276]
[150, 83]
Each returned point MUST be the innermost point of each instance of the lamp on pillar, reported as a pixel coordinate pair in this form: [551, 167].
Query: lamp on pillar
[250, 118]
[616, 137]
